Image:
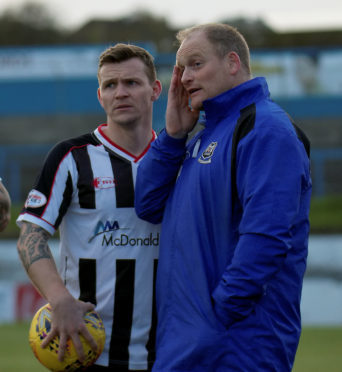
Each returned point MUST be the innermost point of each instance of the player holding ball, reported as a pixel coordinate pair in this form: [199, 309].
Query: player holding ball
[108, 256]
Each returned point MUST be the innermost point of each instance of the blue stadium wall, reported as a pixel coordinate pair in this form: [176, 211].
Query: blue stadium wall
[65, 106]
[78, 96]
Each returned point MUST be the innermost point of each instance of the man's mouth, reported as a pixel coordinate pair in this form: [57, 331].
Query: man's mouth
[193, 90]
[122, 107]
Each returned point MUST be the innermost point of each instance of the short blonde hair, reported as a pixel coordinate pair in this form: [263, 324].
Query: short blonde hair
[224, 38]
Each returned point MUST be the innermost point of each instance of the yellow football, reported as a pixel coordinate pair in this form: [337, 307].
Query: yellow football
[41, 326]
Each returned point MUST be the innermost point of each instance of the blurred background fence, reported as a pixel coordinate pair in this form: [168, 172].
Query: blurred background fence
[48, 93]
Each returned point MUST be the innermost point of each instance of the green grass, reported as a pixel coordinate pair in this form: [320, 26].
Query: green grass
[319, 350]
[15, 351]
[326, 214]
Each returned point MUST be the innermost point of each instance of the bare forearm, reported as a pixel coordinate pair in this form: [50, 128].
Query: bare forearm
[33, 245]
[67, 312]
[38, 261]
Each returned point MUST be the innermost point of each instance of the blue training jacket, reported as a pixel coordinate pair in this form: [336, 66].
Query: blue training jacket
[234, 241]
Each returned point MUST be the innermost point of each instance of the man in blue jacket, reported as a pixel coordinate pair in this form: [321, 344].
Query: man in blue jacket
[234, 204]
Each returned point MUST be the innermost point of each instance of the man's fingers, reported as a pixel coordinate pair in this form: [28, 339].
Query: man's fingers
[50, 336]
[78, 346]
[89, 338]
[88, 307]
[175, 82]
[62, 347]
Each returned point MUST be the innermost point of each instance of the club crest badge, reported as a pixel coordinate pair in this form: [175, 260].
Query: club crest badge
[207, 154]
[35, 199]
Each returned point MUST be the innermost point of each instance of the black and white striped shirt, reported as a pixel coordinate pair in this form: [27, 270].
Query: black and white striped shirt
[108, 255]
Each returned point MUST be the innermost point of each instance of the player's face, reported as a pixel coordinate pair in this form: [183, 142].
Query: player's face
[125, 92]
[205, 74]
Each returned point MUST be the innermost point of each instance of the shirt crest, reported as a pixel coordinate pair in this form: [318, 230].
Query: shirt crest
[207, 154]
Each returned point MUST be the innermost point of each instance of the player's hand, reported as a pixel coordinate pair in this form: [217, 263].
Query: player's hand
[67, 323]
[180, 118]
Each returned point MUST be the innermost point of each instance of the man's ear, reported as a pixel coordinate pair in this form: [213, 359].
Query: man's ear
[99, 96]
[234, 62]
[157, 89]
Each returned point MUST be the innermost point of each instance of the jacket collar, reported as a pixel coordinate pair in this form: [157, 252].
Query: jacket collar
[235, 99]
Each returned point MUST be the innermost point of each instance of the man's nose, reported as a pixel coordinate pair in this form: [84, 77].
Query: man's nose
[121, 90]
[186, 76]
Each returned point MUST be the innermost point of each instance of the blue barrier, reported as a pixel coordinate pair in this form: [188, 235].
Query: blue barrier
[72, 96]
[13, 159]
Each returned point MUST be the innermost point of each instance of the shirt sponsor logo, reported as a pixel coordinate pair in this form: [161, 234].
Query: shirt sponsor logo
[111, 236]
[104, 182]
[104, 227]
[207, 154]
[124, 240]
[35, 199]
